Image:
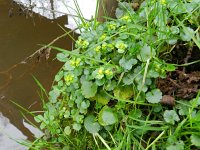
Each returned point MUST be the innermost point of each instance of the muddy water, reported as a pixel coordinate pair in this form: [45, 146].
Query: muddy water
[20, 35]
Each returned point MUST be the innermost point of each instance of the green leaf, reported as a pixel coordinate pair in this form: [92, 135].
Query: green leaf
[110, 85]
[136, 113]
[128, 79]
[187, 34]
[54, 94]
[85, 104]
[107, 116]
[170, 116]
[60, 83]
[67, 130]
[183, 107]
[145, 53]
[102, 98]
[157, 108]
[176, 146]
[154, 96]
[152, 73]
[119, 13]
[141, 87]
[76, 126]
[123, 92]
[195, 139]
[66, 114]
[127, 64]
[62, 57]
[89, 89]
[170, 67]
[43, 125]
[196, 116]
[195, 102]
[172, 41]
[78, 118]
[39, 118]
[174, 30]
[91, 125]
[100, 82]
[67, 66]
[59, 76]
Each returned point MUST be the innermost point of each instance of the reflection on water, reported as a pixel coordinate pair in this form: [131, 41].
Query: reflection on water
[19, 38]
[8, 132]
[54, 9]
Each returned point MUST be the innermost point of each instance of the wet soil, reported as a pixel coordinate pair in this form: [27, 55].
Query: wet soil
[184, 82]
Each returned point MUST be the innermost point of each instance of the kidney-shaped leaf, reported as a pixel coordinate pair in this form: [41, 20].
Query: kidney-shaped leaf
[91, 125]
[89, 89]
[123, 92]
[102, 98]
[145, 53]
[170, 116]
[154, 96]
[195, 139]
[107, 116]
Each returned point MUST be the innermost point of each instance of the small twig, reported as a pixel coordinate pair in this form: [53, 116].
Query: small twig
[173, 82]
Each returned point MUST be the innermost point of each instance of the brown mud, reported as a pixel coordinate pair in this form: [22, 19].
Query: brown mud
[184, 82]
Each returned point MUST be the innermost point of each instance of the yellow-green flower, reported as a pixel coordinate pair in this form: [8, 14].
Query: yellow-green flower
[122, 28]
[82, 43]
[163, 2]
[111, 46]
[69, 79]
[103, 37]
[96, 23]
[85, 44]
[79, 41]
[101, 71]
[126, 18]
[78, 61]
[121, 46]
[112, 26]
[75, 62]
[108, 72]
[87, 25]
[97, 49]
[104, 46]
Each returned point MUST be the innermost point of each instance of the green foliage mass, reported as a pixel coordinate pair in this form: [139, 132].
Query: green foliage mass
[105, 95]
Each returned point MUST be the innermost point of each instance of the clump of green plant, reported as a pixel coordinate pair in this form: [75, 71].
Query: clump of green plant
[105, 95]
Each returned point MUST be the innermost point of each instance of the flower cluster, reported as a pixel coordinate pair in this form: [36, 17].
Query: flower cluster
[82, 43]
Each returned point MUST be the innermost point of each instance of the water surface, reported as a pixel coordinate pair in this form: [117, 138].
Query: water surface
[20, 35]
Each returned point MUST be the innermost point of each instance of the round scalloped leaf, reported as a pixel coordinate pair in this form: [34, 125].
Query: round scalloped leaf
[195, 139]
[123, 92]
[89, 89]
[170, 116]
[67, 130]
[145, 53]
[91, 125]
[102, 98]
[107, 116]
[62, 57]
[154, 96]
